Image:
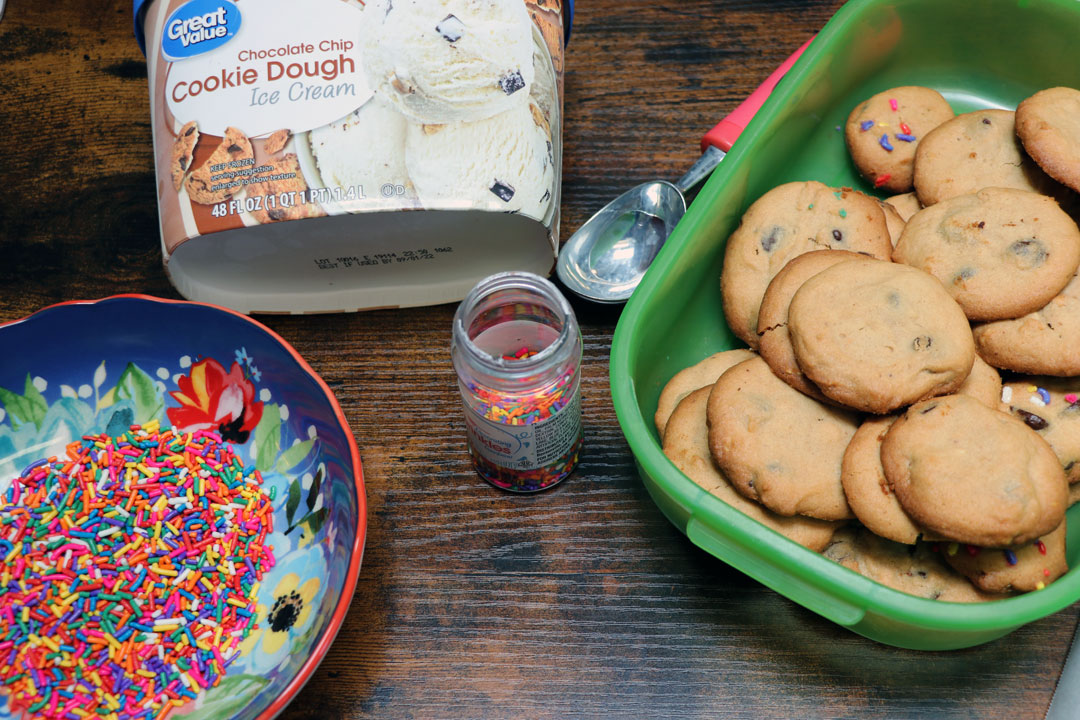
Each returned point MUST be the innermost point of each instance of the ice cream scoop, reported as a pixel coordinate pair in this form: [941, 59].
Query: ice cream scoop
[606, 258]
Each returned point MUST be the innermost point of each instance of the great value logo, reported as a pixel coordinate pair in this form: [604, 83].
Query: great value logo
[198, 27]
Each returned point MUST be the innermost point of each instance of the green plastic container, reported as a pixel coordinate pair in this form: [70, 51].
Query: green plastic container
[977, 53]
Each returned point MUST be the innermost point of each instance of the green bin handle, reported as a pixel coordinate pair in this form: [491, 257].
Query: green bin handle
[749, 561]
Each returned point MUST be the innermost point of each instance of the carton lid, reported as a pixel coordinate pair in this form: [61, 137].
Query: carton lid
[139, 8]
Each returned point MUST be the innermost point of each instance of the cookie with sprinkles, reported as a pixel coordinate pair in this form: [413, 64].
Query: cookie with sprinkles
[883, 132]
[973, 474]
[913, 569]
[999, 252]
[1048, 124]
[686, 443]
[1051, 407]
[1023, 568]
[701, 374]
[976, 150]
[776, 445]
[785, 222]
[1043, 342]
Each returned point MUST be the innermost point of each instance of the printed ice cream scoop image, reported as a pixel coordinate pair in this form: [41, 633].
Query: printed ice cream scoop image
[366, 148]
[440, 61]
[504, 163]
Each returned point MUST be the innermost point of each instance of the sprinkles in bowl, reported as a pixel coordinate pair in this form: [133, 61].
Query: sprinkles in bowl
[131, 569]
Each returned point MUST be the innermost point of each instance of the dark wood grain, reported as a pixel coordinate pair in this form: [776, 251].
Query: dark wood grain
[580, 602]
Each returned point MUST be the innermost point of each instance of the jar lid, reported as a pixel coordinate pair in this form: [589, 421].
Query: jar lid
[139, 8]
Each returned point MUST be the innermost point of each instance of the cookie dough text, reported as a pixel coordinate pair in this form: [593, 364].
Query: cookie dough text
[327, 69]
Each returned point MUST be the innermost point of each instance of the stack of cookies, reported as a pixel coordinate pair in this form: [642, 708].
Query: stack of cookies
[868, 418]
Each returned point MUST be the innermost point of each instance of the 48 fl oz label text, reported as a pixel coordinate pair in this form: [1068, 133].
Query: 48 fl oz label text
[287, 199]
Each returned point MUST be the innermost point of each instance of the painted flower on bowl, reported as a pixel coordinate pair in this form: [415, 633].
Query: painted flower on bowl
[212, 399]
[286, 616]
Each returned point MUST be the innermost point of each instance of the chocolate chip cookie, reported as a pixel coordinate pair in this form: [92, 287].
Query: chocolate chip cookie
[1000, 252]
[972, 151]
[893, 221]
[913, 569]
[1048, 125]
[699, 375]
[200, 184]
[905, 204]
[876, 335]
[686, 443]
[788, 221]
[775, 342]
[776, 445]
[866, 489]
[277, 141]
[983, 383]
[286, 179]
[865, 486]
[183, 152]
[973, 474]
[1043, 342]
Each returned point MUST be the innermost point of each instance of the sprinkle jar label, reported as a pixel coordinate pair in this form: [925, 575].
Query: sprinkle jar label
[526, 447]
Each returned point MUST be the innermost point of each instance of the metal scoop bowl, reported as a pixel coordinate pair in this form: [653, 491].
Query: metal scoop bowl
[606, 258]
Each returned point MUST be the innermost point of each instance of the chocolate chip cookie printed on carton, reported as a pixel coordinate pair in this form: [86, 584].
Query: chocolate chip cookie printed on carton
[350, 155]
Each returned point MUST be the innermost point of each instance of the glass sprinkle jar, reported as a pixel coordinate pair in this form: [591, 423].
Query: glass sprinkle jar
[516, 348]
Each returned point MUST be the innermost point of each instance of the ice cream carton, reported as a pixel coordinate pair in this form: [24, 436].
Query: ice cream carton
[338, 155]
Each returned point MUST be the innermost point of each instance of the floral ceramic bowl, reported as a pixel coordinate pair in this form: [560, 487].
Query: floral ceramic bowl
[78, 369]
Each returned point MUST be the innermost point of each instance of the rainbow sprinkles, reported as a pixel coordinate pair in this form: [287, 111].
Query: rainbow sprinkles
[130, 573]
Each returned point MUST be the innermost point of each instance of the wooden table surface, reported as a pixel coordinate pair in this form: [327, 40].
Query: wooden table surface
[580, 602]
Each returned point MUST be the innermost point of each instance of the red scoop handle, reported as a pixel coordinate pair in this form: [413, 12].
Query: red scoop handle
[727, 131]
